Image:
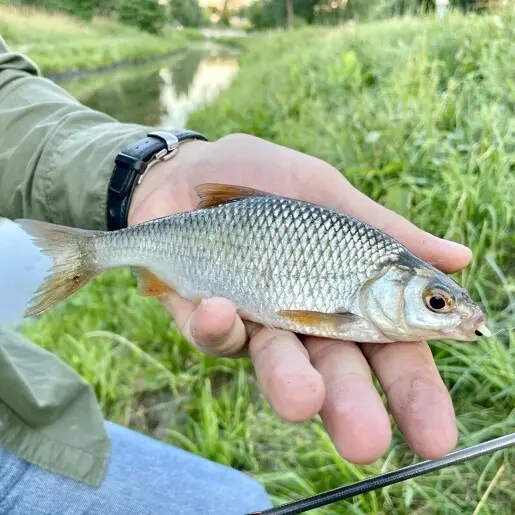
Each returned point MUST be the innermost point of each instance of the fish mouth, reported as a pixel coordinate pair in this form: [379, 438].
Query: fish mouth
[476, 326]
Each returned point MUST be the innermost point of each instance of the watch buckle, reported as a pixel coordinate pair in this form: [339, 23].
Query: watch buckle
[172, 147]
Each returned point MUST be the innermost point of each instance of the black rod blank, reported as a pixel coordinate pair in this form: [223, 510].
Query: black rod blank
[389, 478]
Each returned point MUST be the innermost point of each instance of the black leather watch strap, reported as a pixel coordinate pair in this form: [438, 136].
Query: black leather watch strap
[130, 165]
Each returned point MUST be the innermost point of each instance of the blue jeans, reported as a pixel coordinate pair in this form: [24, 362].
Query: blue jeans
[144, 477]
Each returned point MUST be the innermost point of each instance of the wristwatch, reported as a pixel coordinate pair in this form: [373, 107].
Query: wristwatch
[132, 163]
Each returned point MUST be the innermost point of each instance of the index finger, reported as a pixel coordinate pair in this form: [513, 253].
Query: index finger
[448, 256]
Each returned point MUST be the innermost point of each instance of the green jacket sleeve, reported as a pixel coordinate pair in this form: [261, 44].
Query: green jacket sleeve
[49, 415]
[56, 157]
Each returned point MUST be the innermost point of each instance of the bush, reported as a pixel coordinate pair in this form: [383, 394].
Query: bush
[84, 9]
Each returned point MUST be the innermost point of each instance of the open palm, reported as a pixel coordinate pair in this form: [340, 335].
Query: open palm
[315, 375]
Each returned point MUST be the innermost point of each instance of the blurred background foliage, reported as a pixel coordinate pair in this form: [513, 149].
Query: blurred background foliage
[153, 15]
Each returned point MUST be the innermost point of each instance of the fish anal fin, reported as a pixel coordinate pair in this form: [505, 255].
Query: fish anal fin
[149, 285]
[212, 195]
[316, 319]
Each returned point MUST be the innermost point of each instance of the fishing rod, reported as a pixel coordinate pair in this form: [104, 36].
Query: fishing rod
[389, 478]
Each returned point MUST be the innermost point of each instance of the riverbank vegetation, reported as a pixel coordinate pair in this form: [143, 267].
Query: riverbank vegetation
[419, 114]
[147, 15]
[263, 14]
[60, 43]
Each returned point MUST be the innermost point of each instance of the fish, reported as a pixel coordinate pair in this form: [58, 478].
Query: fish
[284, 263]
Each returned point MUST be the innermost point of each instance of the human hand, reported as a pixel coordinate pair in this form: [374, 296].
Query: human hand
[317, 375]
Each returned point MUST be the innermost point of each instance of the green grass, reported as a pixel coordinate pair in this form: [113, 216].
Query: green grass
[59, 43]
[420, 116]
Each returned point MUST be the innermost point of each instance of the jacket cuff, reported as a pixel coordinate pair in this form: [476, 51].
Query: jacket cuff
[78, 168]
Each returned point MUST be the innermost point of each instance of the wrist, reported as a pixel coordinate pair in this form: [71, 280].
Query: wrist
[167, 177]
[132, 165]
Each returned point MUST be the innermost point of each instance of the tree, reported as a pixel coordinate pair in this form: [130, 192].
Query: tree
[148, 15]
[265, 14]
[187, 13]
[289, 13]
[274, 13]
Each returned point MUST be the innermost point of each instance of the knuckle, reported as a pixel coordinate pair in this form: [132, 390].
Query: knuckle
[319, 353]
[414, 386]
[236, 138]
[223, 344]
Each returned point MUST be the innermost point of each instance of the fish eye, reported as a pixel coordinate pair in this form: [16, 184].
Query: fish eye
[439, 300]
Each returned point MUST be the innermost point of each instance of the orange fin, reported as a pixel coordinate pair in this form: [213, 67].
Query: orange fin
[212, 195]
[329, 321]
[149, 285]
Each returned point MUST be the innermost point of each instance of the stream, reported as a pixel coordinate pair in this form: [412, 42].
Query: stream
[162, 93]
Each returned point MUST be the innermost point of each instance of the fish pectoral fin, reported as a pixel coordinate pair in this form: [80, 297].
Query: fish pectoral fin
[212, 195]
[149, 285]
[317, 319]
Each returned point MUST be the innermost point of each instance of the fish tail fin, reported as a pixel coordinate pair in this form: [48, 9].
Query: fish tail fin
[73, 262]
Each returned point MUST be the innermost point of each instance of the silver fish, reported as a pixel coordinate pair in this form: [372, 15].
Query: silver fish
[284, 263]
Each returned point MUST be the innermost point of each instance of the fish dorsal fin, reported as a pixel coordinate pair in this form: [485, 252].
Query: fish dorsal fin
[212, 195]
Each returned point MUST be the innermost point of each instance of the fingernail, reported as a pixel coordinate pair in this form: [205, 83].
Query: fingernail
[459, 246]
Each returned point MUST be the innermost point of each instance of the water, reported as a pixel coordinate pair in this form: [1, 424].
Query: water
[160, 94]
[22, 268]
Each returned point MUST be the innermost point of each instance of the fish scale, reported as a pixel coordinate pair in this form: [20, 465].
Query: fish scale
[247, 251]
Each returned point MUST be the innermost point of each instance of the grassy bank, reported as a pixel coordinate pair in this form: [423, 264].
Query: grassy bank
[59, 43]
[417, 114]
